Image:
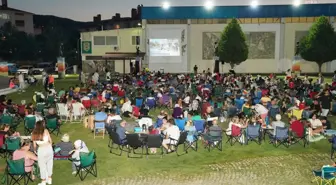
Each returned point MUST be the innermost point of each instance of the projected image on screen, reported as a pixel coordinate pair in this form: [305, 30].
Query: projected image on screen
[164, 47]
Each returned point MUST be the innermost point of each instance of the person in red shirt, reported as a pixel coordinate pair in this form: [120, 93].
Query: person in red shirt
[121, 92]
[296, 127]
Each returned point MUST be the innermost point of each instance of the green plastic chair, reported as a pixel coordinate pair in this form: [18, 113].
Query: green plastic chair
[10, 120]
[7, 119]
[87, 165]
[219, 91]
[11, 144]
[52, 126]
[15, 172]
[40, 108]
[51, 100]
[29, 124]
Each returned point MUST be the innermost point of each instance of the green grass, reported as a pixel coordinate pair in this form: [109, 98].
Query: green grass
[111, 166]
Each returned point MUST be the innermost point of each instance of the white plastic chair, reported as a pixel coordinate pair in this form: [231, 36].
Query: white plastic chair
[63, 112]
[78, 111]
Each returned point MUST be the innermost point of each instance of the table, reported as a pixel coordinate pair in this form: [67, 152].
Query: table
[265, 130]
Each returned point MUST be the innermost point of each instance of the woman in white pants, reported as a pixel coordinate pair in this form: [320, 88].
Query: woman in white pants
[45, 153]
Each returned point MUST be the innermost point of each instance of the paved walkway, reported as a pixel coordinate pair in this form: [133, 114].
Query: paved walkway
[280, 170]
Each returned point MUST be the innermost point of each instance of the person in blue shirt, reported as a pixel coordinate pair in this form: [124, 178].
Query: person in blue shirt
[121, 131]
[100, 118]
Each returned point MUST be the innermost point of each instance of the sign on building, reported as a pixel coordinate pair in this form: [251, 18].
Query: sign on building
[86, 47]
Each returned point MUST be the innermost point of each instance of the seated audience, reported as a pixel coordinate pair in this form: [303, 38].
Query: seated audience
[121, 131]
[64, 147]
[277, 123]
[29, 157]
[172, 134]
[80, 147]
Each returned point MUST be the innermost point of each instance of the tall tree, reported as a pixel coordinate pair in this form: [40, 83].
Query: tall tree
[320, 44]
[232, 47]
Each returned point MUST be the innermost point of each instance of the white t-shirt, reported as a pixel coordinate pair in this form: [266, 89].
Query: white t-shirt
[112, 118]
[315, 123]
[21, 78]
[187, 100]
[108, 76]
[173, 132]
[146, 121]
[127, 107]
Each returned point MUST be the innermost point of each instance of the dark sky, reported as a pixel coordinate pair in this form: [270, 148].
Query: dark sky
[84, 10]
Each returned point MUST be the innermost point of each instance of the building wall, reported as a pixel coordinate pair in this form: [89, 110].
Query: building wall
[269, 61]
[27, 18]
[124, 44]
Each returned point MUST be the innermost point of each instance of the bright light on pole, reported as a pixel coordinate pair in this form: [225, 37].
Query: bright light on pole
[254, 3]
[166, 5]
[297, 3]
[209, 5]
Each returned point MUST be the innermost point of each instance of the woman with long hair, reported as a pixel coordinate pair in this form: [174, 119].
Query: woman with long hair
[42, 139]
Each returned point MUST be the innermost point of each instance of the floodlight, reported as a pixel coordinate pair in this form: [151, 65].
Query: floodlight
[254, 3]
[166, 5]
[209, 5]
[297, 3]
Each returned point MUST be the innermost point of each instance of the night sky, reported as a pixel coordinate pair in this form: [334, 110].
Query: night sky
[84, 10]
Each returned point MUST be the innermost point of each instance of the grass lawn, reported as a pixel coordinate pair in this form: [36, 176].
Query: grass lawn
[247, 164]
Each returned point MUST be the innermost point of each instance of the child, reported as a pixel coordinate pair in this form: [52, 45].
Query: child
[153, 131]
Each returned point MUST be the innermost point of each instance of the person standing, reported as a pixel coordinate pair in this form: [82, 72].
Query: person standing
[195, 69]
[21, 82]
[51, 81]
[83, 78]
[45, 153]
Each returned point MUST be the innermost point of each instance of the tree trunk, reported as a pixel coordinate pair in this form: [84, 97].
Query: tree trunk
[320, 67]
[216, 69]
[231, 65]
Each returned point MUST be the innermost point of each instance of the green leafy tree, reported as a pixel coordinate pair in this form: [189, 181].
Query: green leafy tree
[232, 47]
[320, 44]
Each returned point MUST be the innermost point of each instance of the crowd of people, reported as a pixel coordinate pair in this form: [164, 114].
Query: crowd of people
[240, 100]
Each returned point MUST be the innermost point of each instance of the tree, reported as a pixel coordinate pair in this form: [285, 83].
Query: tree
[232, 47]
[320, 44]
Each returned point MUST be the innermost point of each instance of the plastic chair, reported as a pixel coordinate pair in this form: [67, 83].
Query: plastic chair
[29, 124]
[199, 125]
[15, 172]
[180, 123]
[53, 126]
[87, 165]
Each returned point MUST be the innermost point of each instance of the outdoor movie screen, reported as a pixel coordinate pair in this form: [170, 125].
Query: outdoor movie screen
[164, 47]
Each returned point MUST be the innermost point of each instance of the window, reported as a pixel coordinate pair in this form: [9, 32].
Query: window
[135, 40]
[99, 40]
[4, 16]
[19, 14]
[112, 40]
[19, 23]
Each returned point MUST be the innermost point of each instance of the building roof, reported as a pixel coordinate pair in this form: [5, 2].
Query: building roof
[13, 9]
[222, 12]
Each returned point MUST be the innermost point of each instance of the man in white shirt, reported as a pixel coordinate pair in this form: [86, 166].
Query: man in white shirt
[113, 117]
[21, 82]
[108, 76]
[172, 134]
